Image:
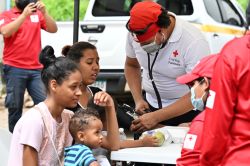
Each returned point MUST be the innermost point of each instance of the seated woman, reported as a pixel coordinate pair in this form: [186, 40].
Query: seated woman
[86, 57]
[41, 134]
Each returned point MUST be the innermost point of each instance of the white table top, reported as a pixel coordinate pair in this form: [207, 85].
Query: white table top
[166, 154]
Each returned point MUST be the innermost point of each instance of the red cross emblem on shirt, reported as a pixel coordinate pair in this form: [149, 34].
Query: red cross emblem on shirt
[208, 95]
[175, 53]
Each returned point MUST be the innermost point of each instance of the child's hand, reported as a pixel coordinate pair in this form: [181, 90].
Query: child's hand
[149, 140]
[103, 99]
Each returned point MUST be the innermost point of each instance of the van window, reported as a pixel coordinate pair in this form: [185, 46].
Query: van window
[223, 11]
[104, 8]
[213, 10]
[229, 13]
[179, 7]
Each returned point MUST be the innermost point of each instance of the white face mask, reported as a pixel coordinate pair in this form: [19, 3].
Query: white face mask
[153, 47]
[197, 103]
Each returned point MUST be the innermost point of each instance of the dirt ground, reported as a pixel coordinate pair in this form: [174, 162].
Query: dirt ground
[4, 111]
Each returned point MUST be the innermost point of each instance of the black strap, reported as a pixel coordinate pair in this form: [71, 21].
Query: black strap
[150, 71]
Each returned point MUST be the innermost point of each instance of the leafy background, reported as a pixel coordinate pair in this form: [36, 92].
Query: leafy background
[243, 3]
[63, 10]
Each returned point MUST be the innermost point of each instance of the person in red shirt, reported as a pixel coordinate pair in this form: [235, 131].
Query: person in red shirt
[21, 29]
[226, 135]
[199, 79]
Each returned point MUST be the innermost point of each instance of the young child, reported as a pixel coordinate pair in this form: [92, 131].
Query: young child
[41, 134]
[86, 128]
[104, 100]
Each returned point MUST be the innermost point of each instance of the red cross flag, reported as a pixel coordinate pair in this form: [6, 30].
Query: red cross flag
[190, 141]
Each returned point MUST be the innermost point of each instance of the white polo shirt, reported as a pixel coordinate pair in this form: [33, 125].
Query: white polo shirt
[185, 47]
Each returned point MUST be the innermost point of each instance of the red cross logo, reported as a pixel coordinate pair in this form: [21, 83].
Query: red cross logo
[175, 53]
[208, 95]
[190, 138]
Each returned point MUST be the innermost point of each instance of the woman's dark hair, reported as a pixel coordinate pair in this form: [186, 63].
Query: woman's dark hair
[201, 80]
[75, 52]
[55, 68]
[163, 19]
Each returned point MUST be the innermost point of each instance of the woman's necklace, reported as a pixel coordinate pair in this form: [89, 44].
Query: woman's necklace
[89, 95]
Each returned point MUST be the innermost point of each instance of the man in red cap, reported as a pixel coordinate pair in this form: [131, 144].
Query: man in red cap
[199, 79]
[165, 47]
[226, 135]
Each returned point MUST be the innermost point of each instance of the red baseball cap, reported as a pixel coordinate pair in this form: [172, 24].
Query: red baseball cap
[144, 15]
[204, 68]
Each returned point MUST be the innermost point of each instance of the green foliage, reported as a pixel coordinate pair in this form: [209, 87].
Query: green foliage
[63, 10]
[243, 3]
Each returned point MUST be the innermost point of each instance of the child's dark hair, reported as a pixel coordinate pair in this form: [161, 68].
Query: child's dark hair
[80, 120]
[55, 68]
[75, 52]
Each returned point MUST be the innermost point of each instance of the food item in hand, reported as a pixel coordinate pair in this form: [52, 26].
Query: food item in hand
[156, 133]
[160, 136]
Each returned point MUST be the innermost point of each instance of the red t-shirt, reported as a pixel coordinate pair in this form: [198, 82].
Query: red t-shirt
[226, 135]
[23, 47]
[191, 150]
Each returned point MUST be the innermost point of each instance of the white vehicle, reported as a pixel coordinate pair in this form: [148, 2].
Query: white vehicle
[104, 26]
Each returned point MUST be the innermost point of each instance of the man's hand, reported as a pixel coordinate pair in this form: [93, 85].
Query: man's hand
[50, 23]
[29, 9]
[40, 6]
[145, 122]
[141, 106]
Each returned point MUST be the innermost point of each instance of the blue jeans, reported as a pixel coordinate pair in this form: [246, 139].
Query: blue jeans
[17, 80]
